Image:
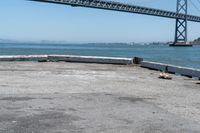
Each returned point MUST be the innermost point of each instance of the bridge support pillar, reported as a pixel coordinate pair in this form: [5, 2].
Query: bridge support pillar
[181, 25]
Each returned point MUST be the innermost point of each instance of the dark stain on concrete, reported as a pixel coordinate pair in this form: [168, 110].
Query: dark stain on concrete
[95, 94]
[14, 99]
[39, 109]
[131, 99]
[47, 98]
[72, 109]
[151, 127]
[127, 121]
[4, 85]
[108, 94]
[45, 122]
[124, 120]
[12, 108]
[102, 69]
[7, 117]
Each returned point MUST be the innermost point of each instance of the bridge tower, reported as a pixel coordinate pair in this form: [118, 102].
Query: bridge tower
[181, 25]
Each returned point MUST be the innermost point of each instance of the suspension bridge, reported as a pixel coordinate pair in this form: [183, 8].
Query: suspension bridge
[181, 15]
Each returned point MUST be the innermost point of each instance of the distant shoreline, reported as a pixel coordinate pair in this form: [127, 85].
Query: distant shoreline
[117, 43]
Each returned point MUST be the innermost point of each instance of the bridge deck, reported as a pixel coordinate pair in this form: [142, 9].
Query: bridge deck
[117, 6]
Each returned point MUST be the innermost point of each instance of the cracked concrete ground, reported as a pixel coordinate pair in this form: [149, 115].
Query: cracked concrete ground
[59, 97]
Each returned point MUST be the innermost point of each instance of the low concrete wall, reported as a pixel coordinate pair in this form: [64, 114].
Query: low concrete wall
[106, 60]
[90, 59]
[154, 65]
[69, 58]
[184, 71]
[24, 58]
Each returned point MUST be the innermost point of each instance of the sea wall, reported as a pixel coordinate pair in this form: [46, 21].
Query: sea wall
[69, 58]
[90, 59]
[184, 71]
[24, 58]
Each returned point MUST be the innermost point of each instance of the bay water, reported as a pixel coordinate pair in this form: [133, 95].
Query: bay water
[181, 56]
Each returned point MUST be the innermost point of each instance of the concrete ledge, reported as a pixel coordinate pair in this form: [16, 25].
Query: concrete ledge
[69, 58]
[184, 71]
[90, 59]
[154, 65]
[24, 58]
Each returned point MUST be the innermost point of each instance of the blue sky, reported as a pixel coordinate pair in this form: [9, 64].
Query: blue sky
[32, 21]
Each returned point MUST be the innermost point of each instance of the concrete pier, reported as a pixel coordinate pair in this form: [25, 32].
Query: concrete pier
[65, 97]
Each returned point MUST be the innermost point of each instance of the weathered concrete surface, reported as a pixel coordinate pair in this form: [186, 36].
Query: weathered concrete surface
[93, 98]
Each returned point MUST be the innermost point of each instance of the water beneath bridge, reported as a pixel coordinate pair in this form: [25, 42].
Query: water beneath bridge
[189, 57]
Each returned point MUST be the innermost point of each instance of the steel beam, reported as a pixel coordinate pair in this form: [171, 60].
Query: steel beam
[117, 6]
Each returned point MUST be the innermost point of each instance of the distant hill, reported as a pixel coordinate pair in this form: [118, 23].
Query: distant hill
[3, 40]
[196, 41]
[7, 41]
[31, 42]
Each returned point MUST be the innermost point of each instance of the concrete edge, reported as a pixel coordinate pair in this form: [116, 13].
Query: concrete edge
[184, 71]
[69, 58]
[24, 58]
[154, 65]
[91, 59]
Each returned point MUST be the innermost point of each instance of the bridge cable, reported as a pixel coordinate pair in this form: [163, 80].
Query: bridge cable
[198, 1]
[135, 2]
[145, 2]
[193, 4]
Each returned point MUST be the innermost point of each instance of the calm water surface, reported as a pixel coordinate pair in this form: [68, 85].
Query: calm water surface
[182, 56]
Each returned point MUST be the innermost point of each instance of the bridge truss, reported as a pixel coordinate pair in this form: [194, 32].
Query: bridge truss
[180, 15]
